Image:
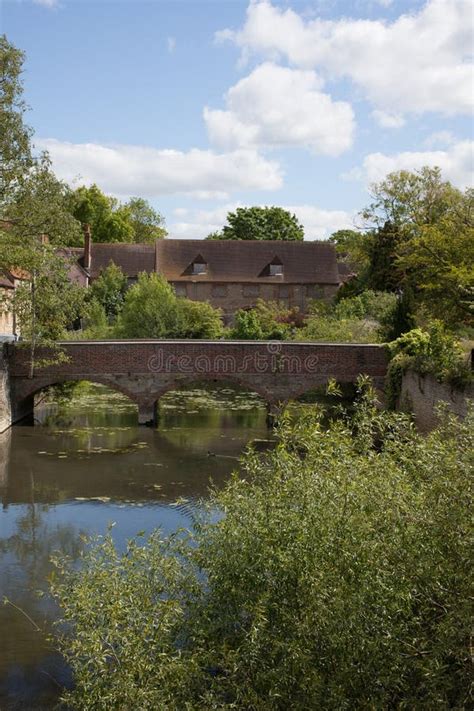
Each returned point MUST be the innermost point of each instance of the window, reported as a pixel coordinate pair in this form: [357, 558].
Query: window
[283, 292]
[251, 290]
[199, 267]
[276, 269]
[180, 289]
[219, 290]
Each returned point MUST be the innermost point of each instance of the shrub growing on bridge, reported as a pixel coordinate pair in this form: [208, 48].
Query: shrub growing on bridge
[338, 578]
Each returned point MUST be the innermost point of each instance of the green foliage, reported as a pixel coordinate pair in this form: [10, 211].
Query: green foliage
[409, 199]
[337, 578]
[419, 235]
[111, 221]
[198, 319]
[352, 320]
[95, 323]
[262, 223]
[152, 310]
[368, 304]
[48, 304]
[15, 149]
[434, 351]
[109, 290]
[266, 321]
[247, 326]
[440, 261]
[399, 319]
[352, 248]
[148, 225]
[333, 330]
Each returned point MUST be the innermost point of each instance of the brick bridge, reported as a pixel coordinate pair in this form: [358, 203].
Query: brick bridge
[144, 370]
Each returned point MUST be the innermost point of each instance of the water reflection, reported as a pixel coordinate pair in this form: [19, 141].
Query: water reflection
[85, 465]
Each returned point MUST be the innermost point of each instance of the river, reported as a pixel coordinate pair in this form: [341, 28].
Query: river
[85, 464]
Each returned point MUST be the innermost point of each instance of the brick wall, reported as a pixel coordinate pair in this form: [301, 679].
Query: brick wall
[230, 297]
[145, 370]
[5, 404]
[421, 394]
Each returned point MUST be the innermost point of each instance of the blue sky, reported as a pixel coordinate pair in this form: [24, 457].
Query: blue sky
[203, 106]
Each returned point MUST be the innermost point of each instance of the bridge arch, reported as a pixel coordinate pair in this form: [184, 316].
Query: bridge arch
[29, 389]
[222, 379]
[149, 405]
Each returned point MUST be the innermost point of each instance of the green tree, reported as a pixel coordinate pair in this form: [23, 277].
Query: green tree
[147, 223]
[109, 290]
[152, 310]
[15, 148]
[262, 223]
[352, 248]
[440, 260]
[198, 319]
[267, 320]
[409, 199]
[247, 326]
[31, 244]
[346, 548]
[111, 221]
[33, 206]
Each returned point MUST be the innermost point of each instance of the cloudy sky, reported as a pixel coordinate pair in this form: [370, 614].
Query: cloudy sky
[202, 106]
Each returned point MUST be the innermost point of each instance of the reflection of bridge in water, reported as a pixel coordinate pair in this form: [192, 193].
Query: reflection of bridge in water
[145, 370]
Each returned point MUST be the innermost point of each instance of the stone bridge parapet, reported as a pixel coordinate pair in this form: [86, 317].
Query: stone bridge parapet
[145, 369]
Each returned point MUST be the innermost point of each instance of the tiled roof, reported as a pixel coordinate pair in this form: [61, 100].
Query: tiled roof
[131, 258]
[247, 260]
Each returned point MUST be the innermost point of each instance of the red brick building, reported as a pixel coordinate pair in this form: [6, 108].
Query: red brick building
[229, 274]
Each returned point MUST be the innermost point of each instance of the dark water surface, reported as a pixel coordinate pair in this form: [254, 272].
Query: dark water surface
[86, 464]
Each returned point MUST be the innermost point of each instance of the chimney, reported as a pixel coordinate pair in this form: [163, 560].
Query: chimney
[87, 246]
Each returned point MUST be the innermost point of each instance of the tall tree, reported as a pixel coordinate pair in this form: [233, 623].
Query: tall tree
[111, 221]
[260, 223]
[148, 224]
[36, 221]
[15, 149]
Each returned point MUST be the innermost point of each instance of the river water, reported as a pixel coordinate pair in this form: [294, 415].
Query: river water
[86, 464]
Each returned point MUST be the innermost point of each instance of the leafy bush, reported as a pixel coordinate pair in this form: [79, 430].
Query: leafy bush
[376, 305]
[267, 320]
[109, 290]
[434, 351]
[152, 310]
[338, 331]
[337, 578]
[198, 319]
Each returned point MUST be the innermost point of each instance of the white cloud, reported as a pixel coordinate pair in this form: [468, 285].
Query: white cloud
[439, 139]
[197, 224]
[456, 163]
[386, 120]
[46, 3]
[125, 170]
[171, 44]
[277, 106]
[419, 62]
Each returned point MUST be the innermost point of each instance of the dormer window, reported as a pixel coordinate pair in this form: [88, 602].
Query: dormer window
[276, 269]
[199, 267]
